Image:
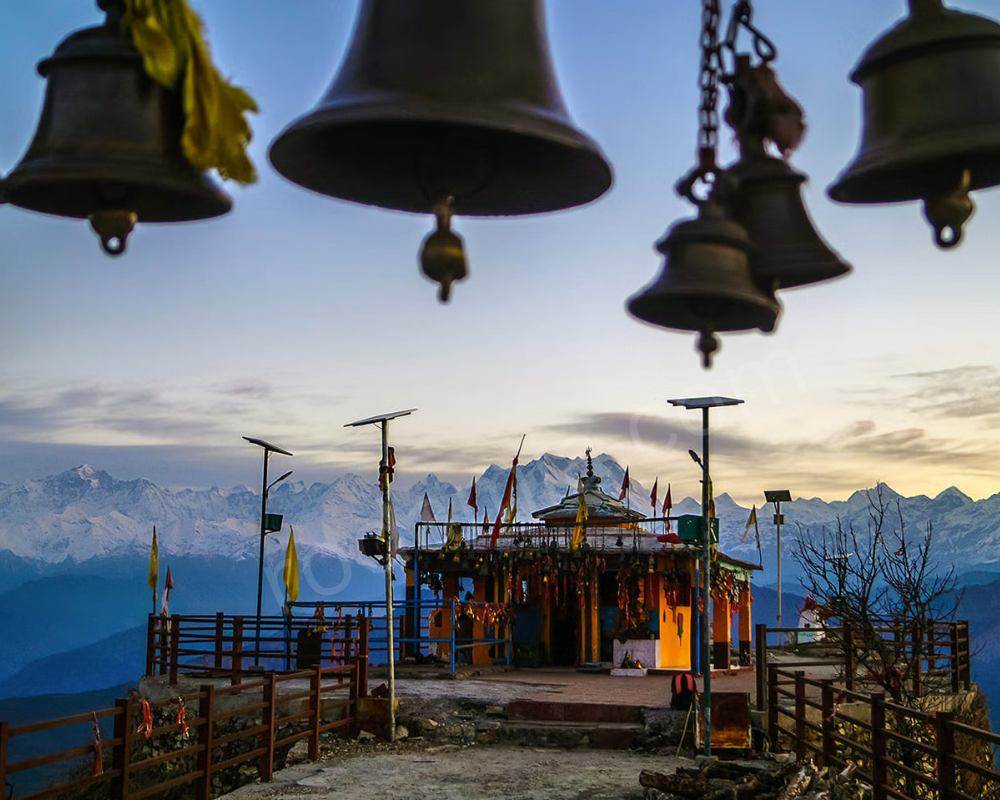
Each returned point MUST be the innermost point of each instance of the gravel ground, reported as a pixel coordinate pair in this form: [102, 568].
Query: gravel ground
[449, 772]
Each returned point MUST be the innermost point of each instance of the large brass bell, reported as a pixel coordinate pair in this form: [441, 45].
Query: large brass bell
[931, 128]
[767, 202]
[706, 284]
[107, 147]
[440, 99]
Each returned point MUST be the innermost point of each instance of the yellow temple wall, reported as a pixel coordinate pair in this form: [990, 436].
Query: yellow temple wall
[675, 631]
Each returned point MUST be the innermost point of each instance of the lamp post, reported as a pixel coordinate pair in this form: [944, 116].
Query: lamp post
[268, 448]
[704, 404]
[778, 496]
[382, 420]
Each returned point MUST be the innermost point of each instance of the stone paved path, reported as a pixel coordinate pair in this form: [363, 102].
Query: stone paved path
[453, 773]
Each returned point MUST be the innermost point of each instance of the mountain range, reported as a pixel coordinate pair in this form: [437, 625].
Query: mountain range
[74, 548]
[84, 513]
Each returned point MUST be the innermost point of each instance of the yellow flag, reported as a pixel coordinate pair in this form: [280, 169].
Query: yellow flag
[751, 523]
[170, 37]
[582, 513]
[154, 564]
[291, 568]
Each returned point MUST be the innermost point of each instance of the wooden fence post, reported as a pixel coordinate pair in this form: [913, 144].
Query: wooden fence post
[849, 667]
[944, 736]
[363, 658]
[236, 654]
[4, 743]
[800, 715]
[879, 771]
[315, 711]
[760, 665]
[353, 706]
[121, 755]
[917, 656]
[828, 709]
[266, 767]
[772, 706]
[206, 735]
[966, 659]
[164, 646]
[150, 645]
[220, 629]
[955, 663]
[175, 642]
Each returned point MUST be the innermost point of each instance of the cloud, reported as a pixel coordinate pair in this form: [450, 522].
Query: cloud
[652, 431]
[965, 392]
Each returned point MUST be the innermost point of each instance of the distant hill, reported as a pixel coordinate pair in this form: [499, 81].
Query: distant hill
[117, 660]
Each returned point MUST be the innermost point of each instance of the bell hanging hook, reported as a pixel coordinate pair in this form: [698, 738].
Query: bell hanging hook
[113, 227]
[948, 213]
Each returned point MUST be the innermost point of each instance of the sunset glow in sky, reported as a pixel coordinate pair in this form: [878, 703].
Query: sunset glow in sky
[297, 313]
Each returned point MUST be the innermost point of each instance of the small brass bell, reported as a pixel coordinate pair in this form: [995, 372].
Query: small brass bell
[442, 256]
[706, 284]
[931, 128]
[108, 144]
[767, 202]
[447, 98]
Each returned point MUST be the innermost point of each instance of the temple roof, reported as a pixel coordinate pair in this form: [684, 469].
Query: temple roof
[600, 505]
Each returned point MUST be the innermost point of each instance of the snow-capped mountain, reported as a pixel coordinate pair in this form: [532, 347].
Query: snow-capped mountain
[85, 513]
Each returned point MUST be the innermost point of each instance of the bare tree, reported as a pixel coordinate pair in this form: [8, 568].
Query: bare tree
[885, 586]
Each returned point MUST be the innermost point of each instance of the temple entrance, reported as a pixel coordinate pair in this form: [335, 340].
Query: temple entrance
[566, 628]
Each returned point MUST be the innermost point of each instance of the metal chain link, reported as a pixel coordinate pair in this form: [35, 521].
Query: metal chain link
[708, 83]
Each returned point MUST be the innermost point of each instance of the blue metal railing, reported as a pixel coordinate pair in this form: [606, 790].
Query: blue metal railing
[411, 627]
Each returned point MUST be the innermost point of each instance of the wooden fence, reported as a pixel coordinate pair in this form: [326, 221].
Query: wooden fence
[192, 739]
[903, 753]
[938, 660]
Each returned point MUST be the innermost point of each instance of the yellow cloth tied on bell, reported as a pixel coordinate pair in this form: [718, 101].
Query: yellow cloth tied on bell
[170, 37]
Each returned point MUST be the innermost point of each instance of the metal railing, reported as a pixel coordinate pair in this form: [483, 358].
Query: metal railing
[412, 626]
[637, 534]
[936, 660]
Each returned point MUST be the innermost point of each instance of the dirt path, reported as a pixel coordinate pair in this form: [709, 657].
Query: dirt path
[453, 773]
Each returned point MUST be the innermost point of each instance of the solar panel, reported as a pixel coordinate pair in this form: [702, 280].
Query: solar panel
[379, 418]
[705, 402]
[267, 445]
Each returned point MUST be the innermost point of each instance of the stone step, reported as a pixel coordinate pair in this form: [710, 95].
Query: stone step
[551, 711]
[602, 735]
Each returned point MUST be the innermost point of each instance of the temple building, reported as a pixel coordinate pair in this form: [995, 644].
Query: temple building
[591, 582]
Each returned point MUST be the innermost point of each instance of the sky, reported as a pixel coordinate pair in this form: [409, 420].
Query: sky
[297, 313]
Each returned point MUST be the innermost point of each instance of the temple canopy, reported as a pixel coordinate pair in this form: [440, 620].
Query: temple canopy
[601, 507]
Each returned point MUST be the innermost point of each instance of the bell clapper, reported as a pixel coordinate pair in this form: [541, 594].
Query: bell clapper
[708, 346]
[442, 255]
[113, 226]
[947, 213]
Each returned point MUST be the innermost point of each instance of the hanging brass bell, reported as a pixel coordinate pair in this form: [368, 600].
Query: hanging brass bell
[931, 128]
[107, 147]
[706, 284]
[767, 202]
[445, 98]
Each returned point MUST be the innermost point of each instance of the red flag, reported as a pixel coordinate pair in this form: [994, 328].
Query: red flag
[168, 585]
[652, 495]
[504, 503]
[486, 521]
[625, 486]
[385, 471]
[472, 500]
[668, 504]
